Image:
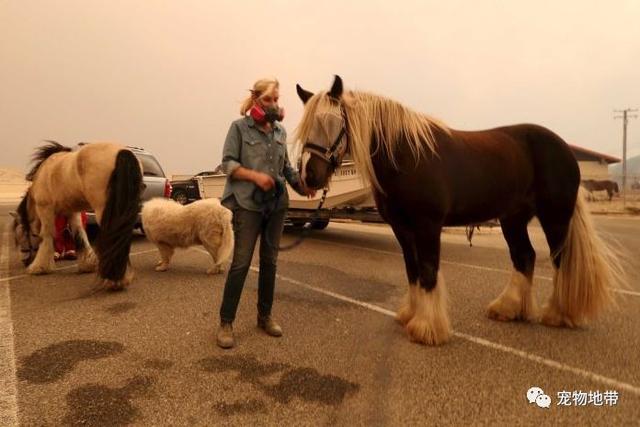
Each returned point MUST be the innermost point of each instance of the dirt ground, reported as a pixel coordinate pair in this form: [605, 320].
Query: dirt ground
[629, 205]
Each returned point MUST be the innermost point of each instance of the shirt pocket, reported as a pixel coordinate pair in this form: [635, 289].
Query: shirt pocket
[253, 152]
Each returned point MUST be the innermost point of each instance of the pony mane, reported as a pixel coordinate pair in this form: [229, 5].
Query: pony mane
[43, 153]
[372, 116]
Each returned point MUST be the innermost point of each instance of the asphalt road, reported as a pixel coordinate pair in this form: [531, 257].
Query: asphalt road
[71, 355]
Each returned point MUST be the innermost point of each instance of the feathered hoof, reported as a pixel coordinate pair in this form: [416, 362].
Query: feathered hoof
[504, 310]
[551, 316]
[436, 332]
[87, 267]
[405, 313]
[161, 267]
[515, 302]
[407, 308]
[430, 323]
[37, 270]
[89, 264]
[119, 285]
[216, 270]
[115, 286]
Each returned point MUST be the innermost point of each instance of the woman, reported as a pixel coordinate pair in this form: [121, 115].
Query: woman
[256, 162]
[64, 243]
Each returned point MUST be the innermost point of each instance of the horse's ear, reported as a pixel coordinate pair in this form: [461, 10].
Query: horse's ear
[303, 94]
[336, 88]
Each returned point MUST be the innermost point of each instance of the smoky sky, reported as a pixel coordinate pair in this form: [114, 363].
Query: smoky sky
[169, 76]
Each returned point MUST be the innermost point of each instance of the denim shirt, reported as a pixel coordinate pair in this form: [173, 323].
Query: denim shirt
[248, 146]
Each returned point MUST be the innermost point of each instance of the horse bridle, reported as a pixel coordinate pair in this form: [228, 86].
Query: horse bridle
[331, 155]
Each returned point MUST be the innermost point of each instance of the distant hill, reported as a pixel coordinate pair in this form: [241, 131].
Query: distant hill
[633, 168]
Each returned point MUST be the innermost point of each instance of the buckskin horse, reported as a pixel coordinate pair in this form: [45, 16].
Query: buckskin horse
[426, 175]
[104, 177]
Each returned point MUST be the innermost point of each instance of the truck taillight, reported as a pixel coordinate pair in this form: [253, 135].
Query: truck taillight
[167, 189]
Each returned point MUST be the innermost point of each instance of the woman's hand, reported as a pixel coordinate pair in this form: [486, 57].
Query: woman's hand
[264, 181]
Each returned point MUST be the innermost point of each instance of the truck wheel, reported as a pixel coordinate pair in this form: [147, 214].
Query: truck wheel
[180, 196]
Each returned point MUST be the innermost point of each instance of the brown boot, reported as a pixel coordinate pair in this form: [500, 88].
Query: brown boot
[270, 326]
[225, 339]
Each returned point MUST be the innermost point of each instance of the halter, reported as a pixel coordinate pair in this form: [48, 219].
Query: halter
[330, 155]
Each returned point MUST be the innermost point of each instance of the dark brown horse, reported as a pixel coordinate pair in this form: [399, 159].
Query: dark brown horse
[610, 187]
[426, 176]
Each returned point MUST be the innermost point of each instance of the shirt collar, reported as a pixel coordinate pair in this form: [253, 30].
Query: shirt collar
[252, 123]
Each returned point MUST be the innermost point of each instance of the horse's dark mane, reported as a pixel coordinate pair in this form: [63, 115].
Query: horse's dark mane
[43, 153]
[23, 213]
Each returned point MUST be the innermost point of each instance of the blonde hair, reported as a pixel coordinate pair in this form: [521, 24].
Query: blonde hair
[260, 88]
[371, 115]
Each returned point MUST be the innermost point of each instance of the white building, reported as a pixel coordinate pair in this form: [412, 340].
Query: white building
[593, 165]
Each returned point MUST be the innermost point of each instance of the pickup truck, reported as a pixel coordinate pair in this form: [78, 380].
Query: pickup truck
[185, 187]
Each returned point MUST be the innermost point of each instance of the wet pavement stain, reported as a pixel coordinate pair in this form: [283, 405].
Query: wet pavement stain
[248, 368]
[51, 363]
[306, 384]
[252, 406]
[95, 404]
[158, 364]
[311, 386]
[121, 307]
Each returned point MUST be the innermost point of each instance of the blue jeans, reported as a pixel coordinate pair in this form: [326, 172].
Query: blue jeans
[247, 226]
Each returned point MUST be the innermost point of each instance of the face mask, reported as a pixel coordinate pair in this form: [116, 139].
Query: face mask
[270, 114]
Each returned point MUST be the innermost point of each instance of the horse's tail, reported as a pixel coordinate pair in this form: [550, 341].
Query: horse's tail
[589, 272]
[119, 216]
[226, 247]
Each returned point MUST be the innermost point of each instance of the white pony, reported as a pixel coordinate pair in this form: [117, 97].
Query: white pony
[206, 222]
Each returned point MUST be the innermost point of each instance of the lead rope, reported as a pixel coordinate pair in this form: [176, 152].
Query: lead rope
[306, 228]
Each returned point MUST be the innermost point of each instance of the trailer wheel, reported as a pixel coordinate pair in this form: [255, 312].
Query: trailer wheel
[297, 223]
[320, 224]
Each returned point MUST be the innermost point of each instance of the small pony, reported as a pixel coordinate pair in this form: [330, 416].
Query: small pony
[170, 225]
[103, 177]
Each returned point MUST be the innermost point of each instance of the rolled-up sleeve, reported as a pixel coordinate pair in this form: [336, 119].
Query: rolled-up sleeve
[232, 149]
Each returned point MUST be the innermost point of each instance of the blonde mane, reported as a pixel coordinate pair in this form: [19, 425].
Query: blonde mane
[370, 116]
